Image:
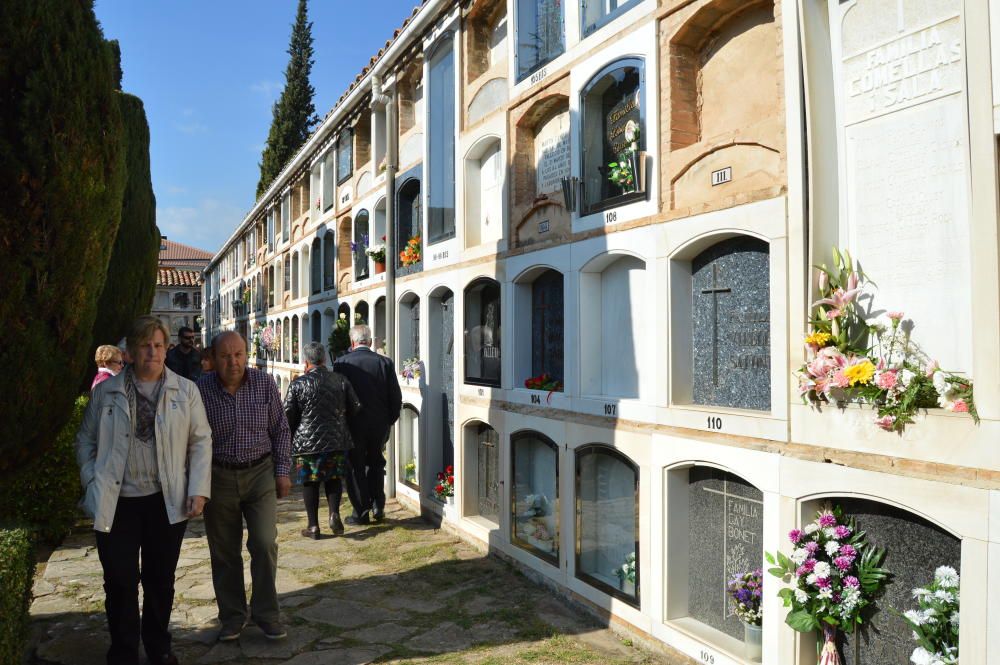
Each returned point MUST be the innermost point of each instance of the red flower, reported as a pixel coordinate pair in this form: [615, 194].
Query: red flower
[449, 470]
[440, 476]
[451, 480]
[439, 489]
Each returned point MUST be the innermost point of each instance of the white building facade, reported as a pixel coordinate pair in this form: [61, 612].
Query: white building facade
[609, 364]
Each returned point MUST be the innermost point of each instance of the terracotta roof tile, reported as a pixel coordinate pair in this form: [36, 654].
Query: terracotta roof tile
[178, 277]
[175, 251]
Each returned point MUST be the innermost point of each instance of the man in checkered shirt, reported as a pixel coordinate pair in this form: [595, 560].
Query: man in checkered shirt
[251, 459]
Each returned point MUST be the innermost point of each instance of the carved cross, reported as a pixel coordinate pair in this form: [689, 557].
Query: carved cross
[715, 291]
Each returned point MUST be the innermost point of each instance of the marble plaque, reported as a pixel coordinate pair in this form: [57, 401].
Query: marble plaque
[552, 154]
[906, 176]
[731, 325]
[915, 548]
[725, 539]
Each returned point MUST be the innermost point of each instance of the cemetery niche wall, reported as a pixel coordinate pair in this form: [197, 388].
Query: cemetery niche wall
[482, 488]
[534, 462]
[409, 446]
[730, 319]
[439, 400]
[482, 332]
[607, 521]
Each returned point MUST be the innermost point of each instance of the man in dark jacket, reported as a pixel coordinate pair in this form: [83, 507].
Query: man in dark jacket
[374, 379]
[184, 359]
[319, 405]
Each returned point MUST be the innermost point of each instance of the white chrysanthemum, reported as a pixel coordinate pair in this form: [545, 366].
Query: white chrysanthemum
[825, 592]
[832, 547]
[801, 595]
[915, 617]
[921, 656]
[799, 555]
[811, 579]
[830, 533]
[940, 384]
[946, 577]
[811, 528]
[905, 377]
[920, 592]
[946, 596]
[822, 569]
[954, 619]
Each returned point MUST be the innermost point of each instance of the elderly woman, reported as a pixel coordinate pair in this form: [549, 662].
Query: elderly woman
[109, 362]
[145, 455]
[318, 405]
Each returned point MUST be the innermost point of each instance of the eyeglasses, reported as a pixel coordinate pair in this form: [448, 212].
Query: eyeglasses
[115, 362]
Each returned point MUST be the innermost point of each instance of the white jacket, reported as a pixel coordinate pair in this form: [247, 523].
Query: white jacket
[183, 447]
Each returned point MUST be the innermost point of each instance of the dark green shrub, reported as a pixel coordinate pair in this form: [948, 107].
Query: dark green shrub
[17, 569]
[339, 342]
[61, 181]
[44, 495]
[128, 291]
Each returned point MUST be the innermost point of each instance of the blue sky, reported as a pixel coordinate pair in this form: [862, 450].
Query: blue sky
[208, 74]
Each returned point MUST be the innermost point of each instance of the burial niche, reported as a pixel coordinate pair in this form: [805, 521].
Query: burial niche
[482, 488]
[914, 549]
[482, 332]
[607, 521]
[360, 244]
[541, 159]
[547, 325]
[534, 460]
[484, 178]
[408, 222]
[409, 327]
[613, 132]
[439, 400]
[409, 446]
[725, 529]
[730, 318]
[539, 34]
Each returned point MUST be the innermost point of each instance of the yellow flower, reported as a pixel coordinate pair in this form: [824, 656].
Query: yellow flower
[860, 373]
[819, 339]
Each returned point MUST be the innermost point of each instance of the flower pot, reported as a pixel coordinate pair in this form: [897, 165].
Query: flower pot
[450, 500]
[752, 642]
[626, 587]
[379, 267]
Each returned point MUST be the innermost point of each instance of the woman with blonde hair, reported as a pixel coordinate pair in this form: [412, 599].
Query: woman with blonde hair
[145, 455]
[109, 363]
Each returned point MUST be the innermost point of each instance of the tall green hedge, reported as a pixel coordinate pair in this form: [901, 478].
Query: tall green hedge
[61, 184]
[128, 291]
[17, 569]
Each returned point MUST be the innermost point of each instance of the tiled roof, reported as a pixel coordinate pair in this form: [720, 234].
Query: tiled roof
[174, 251]
[178, 277]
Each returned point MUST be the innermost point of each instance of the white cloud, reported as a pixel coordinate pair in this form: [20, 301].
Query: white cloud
[205, 225]
[194, 127]
[269, 89]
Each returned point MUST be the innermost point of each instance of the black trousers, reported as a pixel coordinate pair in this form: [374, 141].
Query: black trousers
[142, 546]
[366, 489]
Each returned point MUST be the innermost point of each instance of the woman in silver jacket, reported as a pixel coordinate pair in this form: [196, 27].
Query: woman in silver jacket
[145, 455]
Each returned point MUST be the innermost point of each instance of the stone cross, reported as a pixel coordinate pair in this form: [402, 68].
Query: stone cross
[715, 291]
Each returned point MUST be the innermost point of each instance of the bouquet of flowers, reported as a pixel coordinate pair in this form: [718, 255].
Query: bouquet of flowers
[411, 253]
[445, 483]
[834, 574]
[536, 505]
[850, 359]
[544, 381]
[412, 368]
[377, 252]
[410, 470]
[626, 572]
[935, 623]
[360, 246]
[623, 172]
[745, 590]
[339, 341]
[269, 340]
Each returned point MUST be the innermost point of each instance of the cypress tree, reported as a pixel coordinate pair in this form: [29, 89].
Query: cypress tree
[61, 183]
[294, 114]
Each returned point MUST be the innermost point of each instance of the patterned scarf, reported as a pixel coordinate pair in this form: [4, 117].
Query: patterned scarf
[142, 411]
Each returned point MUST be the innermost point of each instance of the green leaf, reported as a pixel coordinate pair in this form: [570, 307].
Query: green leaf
[830, 620]
[802, 621]
[837, 260]
[769, 558]
[777, 572]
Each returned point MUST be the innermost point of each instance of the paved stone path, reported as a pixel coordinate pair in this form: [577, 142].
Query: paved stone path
[399, 592]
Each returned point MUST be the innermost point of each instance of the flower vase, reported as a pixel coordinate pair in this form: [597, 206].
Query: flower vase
[379, 267]
[450, 500]
[752, 642]
[637, 162]
[828, 655]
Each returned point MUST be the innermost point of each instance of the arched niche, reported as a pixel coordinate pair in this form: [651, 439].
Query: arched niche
[378, 224]
[540, 159]
[329, 261]
[409, 446]
[361, 313]
[485, 38]
[362, 241]
[316, 328]
[482, 332]
[709, 55]
[485, 171]
[408, 320]
[344, 254]
[534, 477]
[614, 329]
[607, 521]
[539, 320]
[378, 327]
[295, 339]
[482, 473]
[439, 397]
[491, 97]
[721, 322]
[316, 267]
[715, 533]
[409, 221]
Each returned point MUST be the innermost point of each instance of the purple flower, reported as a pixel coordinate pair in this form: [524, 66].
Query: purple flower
[851, 580]
[843, 562]
[795, 535]
[827, 520]
[812, 547]
[842, 531]
[848, 550]
[809, 564]
[801, 570]
[822, 582]
[836, 598]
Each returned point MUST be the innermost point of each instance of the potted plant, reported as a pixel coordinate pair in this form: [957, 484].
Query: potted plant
[340, 338]
[745, 590]
[411, 253]
[445, 488]
[626, 574]
[834, 574]
[377, 253]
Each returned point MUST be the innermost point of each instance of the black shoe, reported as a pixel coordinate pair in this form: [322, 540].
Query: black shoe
[378, 515]
[231, 632]
[353, 520]
[336, 525]
[311, 532]
[272, 631]
[163, 659]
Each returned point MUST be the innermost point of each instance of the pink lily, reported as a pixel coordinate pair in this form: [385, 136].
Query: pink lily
[839, 299]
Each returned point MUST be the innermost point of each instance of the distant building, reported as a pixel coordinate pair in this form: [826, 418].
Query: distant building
[178, 286]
